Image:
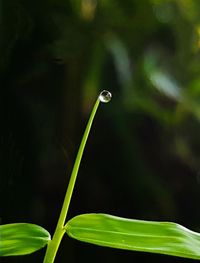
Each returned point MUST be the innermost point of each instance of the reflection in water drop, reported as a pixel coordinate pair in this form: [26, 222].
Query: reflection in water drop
[105, 96]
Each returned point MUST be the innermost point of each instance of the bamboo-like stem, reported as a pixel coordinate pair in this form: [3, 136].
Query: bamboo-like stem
[53, 245]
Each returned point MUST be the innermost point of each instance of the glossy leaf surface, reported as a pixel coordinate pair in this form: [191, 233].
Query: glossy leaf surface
[22, 239]
[138, 235]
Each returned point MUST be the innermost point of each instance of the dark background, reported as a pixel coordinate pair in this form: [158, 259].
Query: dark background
[142, 158]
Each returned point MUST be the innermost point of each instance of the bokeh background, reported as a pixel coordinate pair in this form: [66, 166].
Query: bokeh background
[142, 159]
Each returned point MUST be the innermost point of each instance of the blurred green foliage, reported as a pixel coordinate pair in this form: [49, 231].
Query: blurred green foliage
[55, 58]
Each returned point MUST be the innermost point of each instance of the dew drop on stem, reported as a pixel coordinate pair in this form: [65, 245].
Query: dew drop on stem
[105, 96]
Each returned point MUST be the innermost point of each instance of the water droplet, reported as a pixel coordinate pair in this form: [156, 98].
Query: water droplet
[105, 96]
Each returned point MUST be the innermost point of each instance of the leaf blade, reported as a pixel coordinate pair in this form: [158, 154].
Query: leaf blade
[22, 239]
[137, 235]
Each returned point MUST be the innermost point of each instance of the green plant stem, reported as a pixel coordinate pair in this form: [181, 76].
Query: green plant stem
[53, 245]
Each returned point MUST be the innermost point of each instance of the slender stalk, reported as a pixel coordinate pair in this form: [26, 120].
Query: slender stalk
[59, 232]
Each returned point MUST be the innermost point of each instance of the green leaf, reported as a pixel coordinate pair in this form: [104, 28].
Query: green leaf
[22, 239]
[148, 236]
